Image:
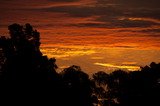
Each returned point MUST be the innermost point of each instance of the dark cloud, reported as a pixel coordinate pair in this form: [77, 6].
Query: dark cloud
[75, 11]
[152, 30]
[118, 24]
[99, 25]
[109, 12]
[132, 3]
[63, 0]
[109, 16]
[126, 46]
[156, 30]
[85, 11]
[133, 23]
[135, 8]
[142, 3]
[143, 13]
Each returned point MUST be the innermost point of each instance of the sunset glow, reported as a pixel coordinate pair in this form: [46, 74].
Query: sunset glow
[94, 34]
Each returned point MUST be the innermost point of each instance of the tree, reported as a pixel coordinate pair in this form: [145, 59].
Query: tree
[23, 58]
[100, 87]
[77, 87]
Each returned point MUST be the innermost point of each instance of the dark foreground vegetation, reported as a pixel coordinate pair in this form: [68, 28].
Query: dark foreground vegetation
[35, 80]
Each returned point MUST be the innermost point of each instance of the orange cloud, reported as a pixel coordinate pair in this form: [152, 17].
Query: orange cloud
[128, 67]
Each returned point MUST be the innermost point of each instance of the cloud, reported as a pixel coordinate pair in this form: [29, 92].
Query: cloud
[63, 0]
[129, 67]
[75, 11]
[85, 10]
[134, 8]
[151, 30]
[109, 13]
[132, 3]
[143, 13]
[125, 46]
[154, 32]
[97, 25]
[116, 23]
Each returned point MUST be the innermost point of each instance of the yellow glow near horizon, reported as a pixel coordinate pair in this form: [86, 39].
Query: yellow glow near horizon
[130, 68]
[89, 31]
[67, 51]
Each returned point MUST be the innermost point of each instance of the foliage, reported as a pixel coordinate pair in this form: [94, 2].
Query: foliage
[22, 61]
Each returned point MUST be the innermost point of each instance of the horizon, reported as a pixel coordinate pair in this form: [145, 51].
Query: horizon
[96, 35]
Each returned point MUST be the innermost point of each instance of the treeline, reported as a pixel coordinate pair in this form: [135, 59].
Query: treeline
[36, 82]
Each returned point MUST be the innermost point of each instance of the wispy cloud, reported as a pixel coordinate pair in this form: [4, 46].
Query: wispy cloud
[128, 67]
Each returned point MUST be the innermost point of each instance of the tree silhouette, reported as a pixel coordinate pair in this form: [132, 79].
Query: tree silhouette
[22, 61]
[100, 86]
[77, 86]
[136, 88]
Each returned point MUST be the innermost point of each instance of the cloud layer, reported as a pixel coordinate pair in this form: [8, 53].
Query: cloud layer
[84, 13]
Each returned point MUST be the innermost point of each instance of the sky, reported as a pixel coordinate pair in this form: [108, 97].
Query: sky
[98, 35]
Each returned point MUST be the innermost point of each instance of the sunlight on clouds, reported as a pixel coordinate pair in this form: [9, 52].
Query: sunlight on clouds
[74, 3]
[140, 19]
[97, 58]
[129, 63]
[93, 59]
[64, 52]
[90, 33]
[128, 67]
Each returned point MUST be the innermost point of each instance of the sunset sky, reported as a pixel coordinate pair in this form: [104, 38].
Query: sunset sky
[98, 35]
